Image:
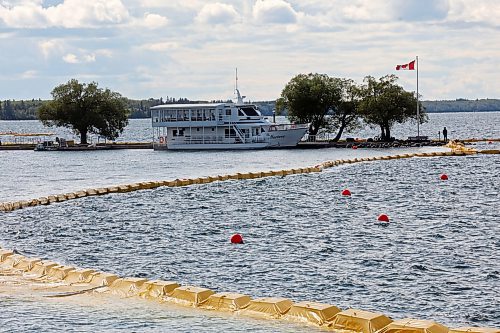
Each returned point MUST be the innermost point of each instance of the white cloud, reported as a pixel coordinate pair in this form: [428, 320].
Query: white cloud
[154, 21]
[50, 46]
[274, 11]
[393, 10]
[369, 11]
[487, 11]
[88, 57]
[72, 58]
[69, 14]
[29, 74]
[421, 10]
[191, 4]
[217, 13]
[161, 46]
[105, 53]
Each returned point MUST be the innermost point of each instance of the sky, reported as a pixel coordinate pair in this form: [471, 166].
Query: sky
[190, 48]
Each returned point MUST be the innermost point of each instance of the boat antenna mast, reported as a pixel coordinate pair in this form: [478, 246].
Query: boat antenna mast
[236, 90]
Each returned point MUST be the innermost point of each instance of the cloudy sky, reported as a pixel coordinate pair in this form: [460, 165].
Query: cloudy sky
[190, 48]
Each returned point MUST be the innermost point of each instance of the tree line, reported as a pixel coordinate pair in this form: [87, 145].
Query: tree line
[139, 108]
[27, 109]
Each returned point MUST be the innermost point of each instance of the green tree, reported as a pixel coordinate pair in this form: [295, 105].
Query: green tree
[385, 103]
[85, 108]
[8, 112]
[308, 99]
[345, 114]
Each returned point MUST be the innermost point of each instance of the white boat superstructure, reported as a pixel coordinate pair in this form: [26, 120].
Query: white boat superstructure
[219, 126]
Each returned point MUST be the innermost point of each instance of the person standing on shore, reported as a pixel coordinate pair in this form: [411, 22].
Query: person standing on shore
[445, 134]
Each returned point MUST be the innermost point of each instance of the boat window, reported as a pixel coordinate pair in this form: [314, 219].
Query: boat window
[174, 132]
[181, 132]
[228, 112]
[241, 114]
[229, 133]
[250, 111]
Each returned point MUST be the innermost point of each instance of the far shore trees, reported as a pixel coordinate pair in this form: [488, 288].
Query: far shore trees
[385, 103]
[85, 108]
[322, 101]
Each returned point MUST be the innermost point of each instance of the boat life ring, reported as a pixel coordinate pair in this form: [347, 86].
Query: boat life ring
[162, 140]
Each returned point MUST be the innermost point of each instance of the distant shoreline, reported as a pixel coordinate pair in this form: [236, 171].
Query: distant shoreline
[139, 109]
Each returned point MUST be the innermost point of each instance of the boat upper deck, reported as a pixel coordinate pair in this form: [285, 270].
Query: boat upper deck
[209, 114]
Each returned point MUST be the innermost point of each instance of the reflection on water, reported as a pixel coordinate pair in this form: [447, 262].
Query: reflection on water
[437, 259]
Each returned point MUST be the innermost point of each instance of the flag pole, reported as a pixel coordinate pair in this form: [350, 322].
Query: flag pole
[418, 106]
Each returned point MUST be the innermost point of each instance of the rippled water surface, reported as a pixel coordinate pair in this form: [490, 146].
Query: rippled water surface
[437, 259]
[30, 174]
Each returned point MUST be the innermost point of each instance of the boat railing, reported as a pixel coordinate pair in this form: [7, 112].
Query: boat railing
[204, 140]
[287, 127]
[318, 137]
[260, 139]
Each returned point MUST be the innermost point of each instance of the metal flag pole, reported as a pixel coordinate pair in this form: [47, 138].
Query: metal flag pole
[418, 106]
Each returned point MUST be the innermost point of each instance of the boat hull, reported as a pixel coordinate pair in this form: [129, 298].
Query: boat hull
[286, 138]
[274, 139]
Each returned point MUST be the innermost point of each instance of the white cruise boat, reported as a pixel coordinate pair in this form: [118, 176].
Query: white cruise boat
[219, 126]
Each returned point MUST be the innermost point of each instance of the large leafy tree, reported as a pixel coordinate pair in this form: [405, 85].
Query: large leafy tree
[384, 103]
[85, 108]
[345, 114]
[308, 99]
[323, 102]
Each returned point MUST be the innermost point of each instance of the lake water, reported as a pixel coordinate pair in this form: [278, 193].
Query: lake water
[437, 259]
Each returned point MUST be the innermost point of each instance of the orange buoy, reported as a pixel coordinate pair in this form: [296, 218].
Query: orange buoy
[354, 147]
[236, 239]
[383, 218]
[444, 176]
[346, 192]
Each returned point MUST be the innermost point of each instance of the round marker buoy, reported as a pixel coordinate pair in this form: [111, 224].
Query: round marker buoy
[236, 239]
[354, 147]
[444, 176]
[346, 192]
[383, 218]
[490, 142]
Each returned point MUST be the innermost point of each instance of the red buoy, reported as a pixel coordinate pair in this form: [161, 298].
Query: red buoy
[346, 192]
[490, 142]
[236, 239]
[444, 177]
[354, 147]
[383, 218]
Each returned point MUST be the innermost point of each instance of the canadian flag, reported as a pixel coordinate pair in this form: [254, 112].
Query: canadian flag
[408, 67]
